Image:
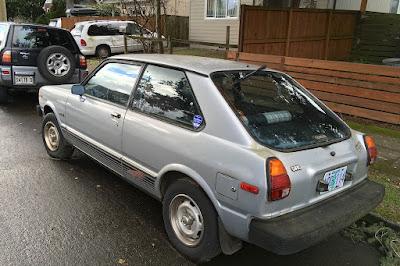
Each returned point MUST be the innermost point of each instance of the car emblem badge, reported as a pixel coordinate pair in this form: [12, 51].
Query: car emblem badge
[197, 120]
[295, 168]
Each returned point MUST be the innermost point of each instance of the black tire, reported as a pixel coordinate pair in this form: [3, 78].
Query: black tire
[53, 139]
[3, 95]
[186, 197]
[56, 63]
[103, 51]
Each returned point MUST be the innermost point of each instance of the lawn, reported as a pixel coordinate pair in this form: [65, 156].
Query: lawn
[385, 171]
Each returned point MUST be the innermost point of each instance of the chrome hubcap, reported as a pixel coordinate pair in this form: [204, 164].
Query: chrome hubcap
[186, 220]
[51, 136]
[58, 64]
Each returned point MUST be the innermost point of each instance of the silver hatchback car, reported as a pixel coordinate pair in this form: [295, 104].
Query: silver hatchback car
[234, 152]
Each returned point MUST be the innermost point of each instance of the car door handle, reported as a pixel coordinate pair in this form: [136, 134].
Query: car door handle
[116, 115]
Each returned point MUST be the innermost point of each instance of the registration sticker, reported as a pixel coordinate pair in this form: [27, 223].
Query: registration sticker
[197, 120]
[335, 178]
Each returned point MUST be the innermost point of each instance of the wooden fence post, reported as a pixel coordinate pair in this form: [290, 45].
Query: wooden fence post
[228, 33]
[170, 48]
[289, 30]
[241, 29]
[363, 6]
[125, 45]
[328, 34]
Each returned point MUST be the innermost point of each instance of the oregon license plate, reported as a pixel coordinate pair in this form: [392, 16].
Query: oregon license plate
[23, 80]
[335, 178]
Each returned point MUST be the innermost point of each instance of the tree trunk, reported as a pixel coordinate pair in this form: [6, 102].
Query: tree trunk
[3, 10]
[158, 19]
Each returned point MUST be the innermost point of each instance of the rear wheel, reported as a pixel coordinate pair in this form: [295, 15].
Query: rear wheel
[191, 221]
[53, 139]
[103, 51]
[3, 95]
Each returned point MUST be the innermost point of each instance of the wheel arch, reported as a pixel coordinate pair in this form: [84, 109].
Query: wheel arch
[105, 45]
[174, 172]
[49, 107]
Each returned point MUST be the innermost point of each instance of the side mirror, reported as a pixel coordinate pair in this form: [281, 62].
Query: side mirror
[78, 90]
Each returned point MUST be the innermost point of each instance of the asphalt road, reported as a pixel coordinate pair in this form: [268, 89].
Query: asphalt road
[76, 212]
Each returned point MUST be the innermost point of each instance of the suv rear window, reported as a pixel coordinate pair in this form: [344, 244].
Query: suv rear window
[36, 37]
[277, 112]
[3, 35]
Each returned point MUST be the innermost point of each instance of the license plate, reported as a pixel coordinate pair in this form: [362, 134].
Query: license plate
[335, 178]
[23, 80]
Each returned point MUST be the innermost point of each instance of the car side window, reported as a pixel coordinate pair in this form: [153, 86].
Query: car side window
[166, 93]
[113, 82]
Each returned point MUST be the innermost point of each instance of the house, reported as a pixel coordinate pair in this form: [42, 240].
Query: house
[47, 5]
[208, 18]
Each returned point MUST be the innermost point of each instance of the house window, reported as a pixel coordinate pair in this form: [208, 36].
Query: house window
[222, 8]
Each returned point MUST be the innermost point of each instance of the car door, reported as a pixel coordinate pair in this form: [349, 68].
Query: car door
[164, 115]
[118, 37]
[133, 44]
[97, 117]
[27, 42]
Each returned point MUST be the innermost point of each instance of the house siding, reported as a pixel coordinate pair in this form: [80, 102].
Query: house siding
[212, 30]
[382, 6]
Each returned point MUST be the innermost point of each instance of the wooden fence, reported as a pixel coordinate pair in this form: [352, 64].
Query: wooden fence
[368, 91]
[306, 33]
[377, 36]
[174, 26]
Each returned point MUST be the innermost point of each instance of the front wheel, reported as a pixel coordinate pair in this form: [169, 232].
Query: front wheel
[191, 221]
[53, 139]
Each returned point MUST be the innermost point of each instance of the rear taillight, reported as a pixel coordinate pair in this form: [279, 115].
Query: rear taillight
[82, 61]
[83, 43]
[6, 57]
[371, 150]
[278, 180]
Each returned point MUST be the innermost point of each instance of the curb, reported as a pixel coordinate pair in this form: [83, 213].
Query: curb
[376, 218]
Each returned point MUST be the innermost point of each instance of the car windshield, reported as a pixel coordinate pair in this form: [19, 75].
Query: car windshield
[3, 35]
[277, 111]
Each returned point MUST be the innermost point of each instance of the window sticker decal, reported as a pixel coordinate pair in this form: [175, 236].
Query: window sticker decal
[197, 120]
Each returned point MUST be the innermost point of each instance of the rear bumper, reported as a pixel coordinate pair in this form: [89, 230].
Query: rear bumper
[298, 230]
[7, 80]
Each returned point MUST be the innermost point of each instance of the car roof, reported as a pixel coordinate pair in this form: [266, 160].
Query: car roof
[32, 24]
[101, 21]
[198, 64]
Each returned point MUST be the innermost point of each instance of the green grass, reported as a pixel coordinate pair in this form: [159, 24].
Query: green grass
[389, 207]
[373, 129]
[384, 172]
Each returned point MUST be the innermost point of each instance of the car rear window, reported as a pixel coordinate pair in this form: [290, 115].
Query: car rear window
[278, 112]
[37, 37]
[3, 35]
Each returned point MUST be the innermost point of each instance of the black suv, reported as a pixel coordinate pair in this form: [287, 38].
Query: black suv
[35, 55]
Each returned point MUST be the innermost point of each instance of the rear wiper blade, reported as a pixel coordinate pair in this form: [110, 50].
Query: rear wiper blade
[248, 75]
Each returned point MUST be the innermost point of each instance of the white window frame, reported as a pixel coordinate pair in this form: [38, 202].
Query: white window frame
[226, 12]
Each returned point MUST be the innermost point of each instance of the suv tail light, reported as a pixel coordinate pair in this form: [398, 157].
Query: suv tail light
[82, 61]
[371, 150]
[6, 56]
[278, 180]
[83, 43]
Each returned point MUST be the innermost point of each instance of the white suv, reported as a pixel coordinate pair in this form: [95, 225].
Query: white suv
[104, 37]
